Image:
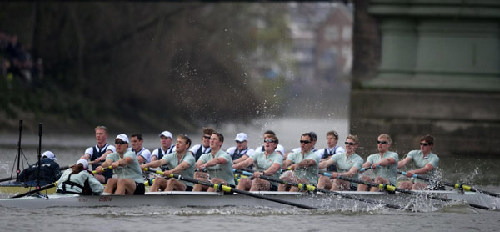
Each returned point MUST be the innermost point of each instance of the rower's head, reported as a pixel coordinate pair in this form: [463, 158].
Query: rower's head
[205, 138]
[332, 138]
[306, 142]
[267, 133]
[426, 143]
[216, 141]
[351, 144]
[136, 141]
[121, 143]
[80, 165]
[241, 141]
[314, 138]
[183, 143]
[384, 141]
[101, 135]
[166, 139]
[270, 143]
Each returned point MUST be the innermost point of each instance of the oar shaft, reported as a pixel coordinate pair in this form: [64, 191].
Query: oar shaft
[229, 189]
[313, 188]
[48, 186]
[456, 186]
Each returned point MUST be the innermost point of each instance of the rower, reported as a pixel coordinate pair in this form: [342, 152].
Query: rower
[425, 161]
[279, 148]
[304, 165]
[240, 152]
[78, 180]
[166, 146]
[181, 162]
[314, 140]
[332, 148]
[128, 171]
[97, 154]
[143, 154]
[384, 164]
[348, 164]
[218, 164]
[204, 147]
[266, 163]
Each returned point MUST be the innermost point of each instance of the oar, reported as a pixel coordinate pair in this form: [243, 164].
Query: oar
[47, 186]
[456, 186]
[313, 188]
[60, 168]
[229, 189]
[387, 187]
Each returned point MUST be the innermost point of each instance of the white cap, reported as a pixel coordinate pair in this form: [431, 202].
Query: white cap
[49, 154]
[166, 134]
[122, 137]
[84, 163]
[241, 137]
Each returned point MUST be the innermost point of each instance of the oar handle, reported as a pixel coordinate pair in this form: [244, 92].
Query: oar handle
[109, 167]
[414, 176]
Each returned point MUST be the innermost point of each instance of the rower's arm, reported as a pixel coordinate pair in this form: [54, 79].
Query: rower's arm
[122, 162]
[198, 164]
[403, 162]
[287, 163]
[306, 163]
[243, 164]
[243, 158]
[154, 164]
[386, 161]
[273, 169]
[427, 168]
[366, 165]
[351, 172]
[216, 161]
[181, 167]
[86, 156]
[326, 163]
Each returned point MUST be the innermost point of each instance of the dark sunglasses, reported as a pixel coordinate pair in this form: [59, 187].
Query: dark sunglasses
[119, 141]
[206, 137]
[238, 142]
[305, 141]
[348, 143]
[269, 141]
[382, 142]
[424, 144]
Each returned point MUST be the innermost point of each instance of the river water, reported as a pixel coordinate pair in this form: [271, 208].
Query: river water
[69, 147]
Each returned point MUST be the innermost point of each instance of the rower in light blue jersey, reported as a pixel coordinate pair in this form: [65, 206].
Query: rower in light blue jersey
[218, 164]
[425, 161]
[384, 164]
[267, 163]
[126, 167]
[304, 165]
[181, 162]
[348, 165]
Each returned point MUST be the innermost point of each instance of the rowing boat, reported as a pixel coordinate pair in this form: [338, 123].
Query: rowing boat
[420, 201]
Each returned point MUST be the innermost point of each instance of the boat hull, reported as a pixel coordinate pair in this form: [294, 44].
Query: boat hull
[419, 202]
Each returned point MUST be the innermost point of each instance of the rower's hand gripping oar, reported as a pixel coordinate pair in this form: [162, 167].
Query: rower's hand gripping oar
[313, 188]
[456, 186]
[229, 189]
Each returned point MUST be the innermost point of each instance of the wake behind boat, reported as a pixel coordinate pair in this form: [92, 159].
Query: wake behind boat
[417, 202]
